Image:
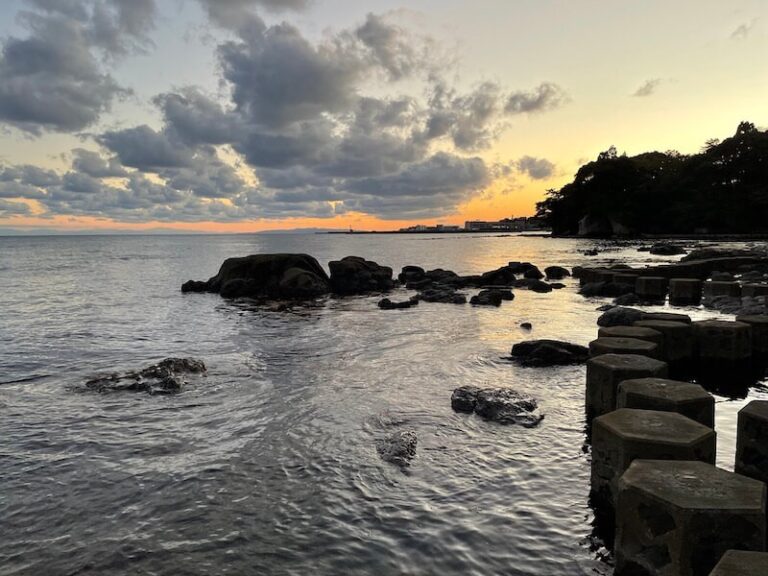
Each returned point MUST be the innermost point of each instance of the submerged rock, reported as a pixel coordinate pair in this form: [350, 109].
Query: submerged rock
[491, 297]
[356, 275]
[283, 276]
[387, 304]
[502, 405]
[539, 353]
[398, 448]
[442, 293]
[666, 249]
[556, 272]
[165, 377]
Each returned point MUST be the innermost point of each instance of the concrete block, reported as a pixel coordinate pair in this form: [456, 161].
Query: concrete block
[604, 276]
[690, 400]
[624, 435]
[625, 278]
[679, 344]
[651, 288]
[752, 441]
[679, 518]
[759, 324]
[606, 372]
[742, 563]
[754, 290]
[636, 332]
[721, 288]
[623, 346]
[668, 317]
[684, 291]
[724, 352]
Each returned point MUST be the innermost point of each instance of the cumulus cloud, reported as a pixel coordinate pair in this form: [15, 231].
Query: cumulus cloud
[53, 79]
[536, 168]
[547, 96]
[648, 88]
[303, 128]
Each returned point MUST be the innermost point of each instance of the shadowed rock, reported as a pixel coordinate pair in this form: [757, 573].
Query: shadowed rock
[165, 377]
[492, 297]
[501, 405]
[464, 398]
[548, 353]
[556, 272]
[620, 316]
[355, 275]
[292, 276]
[387, 304]
[398, 448]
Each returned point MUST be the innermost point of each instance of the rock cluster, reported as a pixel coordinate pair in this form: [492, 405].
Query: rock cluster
[165, 377]
[502, 405]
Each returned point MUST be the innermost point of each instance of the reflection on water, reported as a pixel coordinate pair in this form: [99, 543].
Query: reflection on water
[270, 466]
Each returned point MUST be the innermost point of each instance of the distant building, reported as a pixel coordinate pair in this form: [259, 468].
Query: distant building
[521, 224]
[435, 228]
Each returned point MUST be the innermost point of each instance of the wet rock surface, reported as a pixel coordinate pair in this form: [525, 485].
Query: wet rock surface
[502, 405]
[165, 377]
[540, 353]
[387, 304]
[491, 297]
[356, 275]
[620, 316]
[398, 448]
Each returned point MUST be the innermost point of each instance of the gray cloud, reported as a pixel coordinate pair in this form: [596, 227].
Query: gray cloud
[94, 164]
[536, 168]
[743, 30]
[547, 96]
[8, 208]
[146, 149]
[240, 14]
[648, 88]
[53, 79]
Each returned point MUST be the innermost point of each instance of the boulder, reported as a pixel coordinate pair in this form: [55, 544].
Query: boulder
[548, 353]
[491, 297]
[526, 326]
[666, 249]
[411, 274]
[556, 272]
[620, 316]
[165, 377]
[501, 276]
[284, 276]
[398, 448]
[534, 285]
[355, 275]
[507, 406]
[442, 293]
[387, 304]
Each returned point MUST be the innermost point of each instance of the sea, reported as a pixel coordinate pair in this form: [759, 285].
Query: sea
[268, 465]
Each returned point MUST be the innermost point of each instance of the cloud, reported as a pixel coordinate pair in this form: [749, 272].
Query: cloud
[648, 88]
[743, 30]
[8, 208]
[240, 15]
[146, 149]
[94, 164]
[53, 79]
[536, 168]
[547, 96]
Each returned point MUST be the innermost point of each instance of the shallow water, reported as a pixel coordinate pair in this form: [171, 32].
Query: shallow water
[268, 465]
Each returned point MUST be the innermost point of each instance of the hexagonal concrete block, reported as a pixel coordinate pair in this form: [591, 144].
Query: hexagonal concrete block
[606, 372]
[724, 352]
[623, 346]
[721, 288]
[752, 441]
[742, 563]
[625, 278]
[759, 324]
[679, 344]
[636, 332]
[668, 317]
[690, 400]
[679, 518]
[626, 434]
[651, 288]
[684, 291]
[754, 290]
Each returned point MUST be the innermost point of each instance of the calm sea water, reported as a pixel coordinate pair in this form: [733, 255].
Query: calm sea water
[269, 465]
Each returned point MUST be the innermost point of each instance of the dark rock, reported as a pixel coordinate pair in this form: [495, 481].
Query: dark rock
[557, 285]
[355, 275]
[419, 284]
[533, 273]
[502, 276]
[666, 249]
[411, 274]
[722, 276]
[507, 406]
[533, 285]
[526, 326]
[491, 297]
[398, 448]
[711, 253]
[264, 276]
[464, 398]
[165, 377]
[592, 252]
[627, 299]
[556, 272]
[387, 304]
[440, 275]
[620, 316]
[549, 353]
[442, 293]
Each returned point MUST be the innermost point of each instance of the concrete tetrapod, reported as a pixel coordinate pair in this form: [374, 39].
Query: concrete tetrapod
[624, 435]
[679, 518]
[606, 372]
[688, 399]
[742, 563]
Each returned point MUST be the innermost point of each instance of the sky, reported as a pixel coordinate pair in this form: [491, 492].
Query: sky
[249, 115]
